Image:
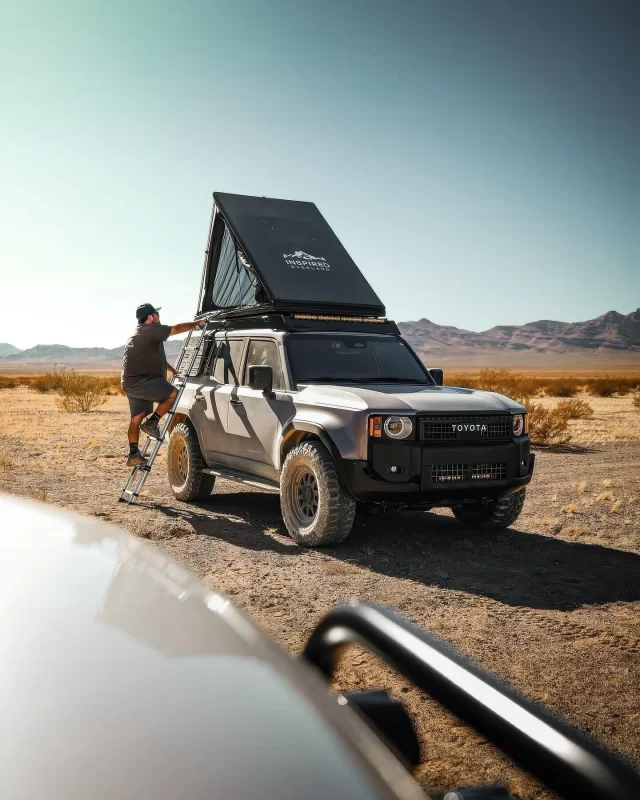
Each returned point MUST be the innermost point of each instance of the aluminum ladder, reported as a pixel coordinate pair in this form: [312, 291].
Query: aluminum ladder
[139, 474]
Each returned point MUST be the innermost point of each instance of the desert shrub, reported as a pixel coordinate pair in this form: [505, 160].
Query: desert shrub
[7, 382]
[607, 386]
[466, 381]
[112, 384]
[506, 382]
[561, 387]
[50, 381]
[79, 392]
[636, 401]
[574, 409]
[547, 426]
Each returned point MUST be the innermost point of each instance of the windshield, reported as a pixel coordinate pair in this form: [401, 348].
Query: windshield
[357, 359]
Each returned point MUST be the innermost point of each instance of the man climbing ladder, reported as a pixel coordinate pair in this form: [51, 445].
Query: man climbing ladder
[144, 376]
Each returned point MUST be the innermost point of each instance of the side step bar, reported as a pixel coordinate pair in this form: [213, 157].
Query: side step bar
[242, 477]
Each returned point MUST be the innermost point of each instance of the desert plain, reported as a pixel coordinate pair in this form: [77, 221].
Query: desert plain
[551, 605]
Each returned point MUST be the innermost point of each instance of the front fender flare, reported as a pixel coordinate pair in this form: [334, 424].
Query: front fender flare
[327, 441]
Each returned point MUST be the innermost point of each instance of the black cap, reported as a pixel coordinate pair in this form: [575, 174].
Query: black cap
[143, 311]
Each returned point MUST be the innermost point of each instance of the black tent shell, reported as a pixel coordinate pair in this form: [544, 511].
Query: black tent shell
[266, 254]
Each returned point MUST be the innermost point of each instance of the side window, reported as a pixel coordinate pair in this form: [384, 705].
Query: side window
[227, 367]
[263, 353]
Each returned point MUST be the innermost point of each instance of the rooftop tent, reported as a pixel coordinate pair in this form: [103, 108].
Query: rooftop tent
[279, 255]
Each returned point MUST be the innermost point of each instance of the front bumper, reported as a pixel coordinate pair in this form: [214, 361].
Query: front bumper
[419, 474]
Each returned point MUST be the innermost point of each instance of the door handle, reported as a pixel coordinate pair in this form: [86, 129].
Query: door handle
[235, 401]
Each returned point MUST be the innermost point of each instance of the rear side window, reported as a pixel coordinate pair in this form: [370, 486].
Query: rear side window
[265, 353]
[227, 366]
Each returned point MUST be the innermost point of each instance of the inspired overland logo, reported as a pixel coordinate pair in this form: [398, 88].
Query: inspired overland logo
[302, 260]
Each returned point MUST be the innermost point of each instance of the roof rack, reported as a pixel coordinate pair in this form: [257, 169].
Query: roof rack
[302, 321]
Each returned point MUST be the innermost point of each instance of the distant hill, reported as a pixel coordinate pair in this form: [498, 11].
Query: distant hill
[610, 340]
[7, 350]
[50, 355]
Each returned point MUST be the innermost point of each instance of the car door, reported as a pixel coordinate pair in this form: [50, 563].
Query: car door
[255, 421]
[213, 400]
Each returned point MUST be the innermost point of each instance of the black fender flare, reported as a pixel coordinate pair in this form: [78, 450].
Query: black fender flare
[327, 441]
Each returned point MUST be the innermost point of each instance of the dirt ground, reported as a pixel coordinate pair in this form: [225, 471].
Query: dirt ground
[551, 605]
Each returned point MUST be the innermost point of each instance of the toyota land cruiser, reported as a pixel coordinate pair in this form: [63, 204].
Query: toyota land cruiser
[300, 385]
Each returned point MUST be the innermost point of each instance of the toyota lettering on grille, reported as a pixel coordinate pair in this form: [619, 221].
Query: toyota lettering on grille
[481, 429]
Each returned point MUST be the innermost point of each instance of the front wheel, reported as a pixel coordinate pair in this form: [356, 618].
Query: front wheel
[494, 516]
[315, 508]
[185, 465]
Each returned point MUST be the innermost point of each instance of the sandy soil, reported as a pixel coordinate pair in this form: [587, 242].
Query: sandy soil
[552, 605]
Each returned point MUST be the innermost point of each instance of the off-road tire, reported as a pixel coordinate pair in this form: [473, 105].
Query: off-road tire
[308, 472]
[185, 465]
[496, 516]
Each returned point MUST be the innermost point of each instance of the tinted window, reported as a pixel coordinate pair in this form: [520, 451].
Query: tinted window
[354, 358]
[227, 368]
[263, 353]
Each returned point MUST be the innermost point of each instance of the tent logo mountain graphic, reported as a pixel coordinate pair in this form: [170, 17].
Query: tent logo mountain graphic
[305, 256]
[302, 260]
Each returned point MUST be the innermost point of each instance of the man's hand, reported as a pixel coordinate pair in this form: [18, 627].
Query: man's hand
[171, 369]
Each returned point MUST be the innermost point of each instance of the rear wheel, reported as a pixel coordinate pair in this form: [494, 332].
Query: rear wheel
[315, 508]
[493, 516]
[185, 465]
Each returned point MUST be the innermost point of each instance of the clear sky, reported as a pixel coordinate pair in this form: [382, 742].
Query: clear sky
[478, 158]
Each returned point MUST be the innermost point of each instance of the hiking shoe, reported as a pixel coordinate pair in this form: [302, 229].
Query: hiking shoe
[136, 459]
[150, 427]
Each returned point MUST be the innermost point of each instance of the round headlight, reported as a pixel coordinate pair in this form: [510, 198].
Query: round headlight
[518, 425]
[398, 427]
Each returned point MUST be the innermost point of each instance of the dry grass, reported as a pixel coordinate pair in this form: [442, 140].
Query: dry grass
[635, 401]
[52, 381]
[519, 384]
[78, 392]
[574, 409]
[546, 426]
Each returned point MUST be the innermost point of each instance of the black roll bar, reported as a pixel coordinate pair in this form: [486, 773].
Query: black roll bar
[566, 760]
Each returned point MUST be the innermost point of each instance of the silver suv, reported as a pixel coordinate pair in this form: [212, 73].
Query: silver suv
[300, 385]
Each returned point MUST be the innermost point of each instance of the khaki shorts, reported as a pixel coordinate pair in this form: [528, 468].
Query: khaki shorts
[145, 392]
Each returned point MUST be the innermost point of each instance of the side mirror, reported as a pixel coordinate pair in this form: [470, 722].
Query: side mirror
[437, 375]
[261, 378]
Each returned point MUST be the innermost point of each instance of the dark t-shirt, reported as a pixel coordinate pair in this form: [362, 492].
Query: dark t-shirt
[144, 354]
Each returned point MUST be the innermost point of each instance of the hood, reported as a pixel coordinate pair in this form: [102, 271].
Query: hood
[126, 677]
[408, 398]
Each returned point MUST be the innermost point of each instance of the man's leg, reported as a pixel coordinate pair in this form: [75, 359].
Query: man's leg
[165, 405]
[139, 410]
[151, 425]
[134, 428]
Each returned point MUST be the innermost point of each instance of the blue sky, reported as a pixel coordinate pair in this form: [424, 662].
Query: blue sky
[478, 158]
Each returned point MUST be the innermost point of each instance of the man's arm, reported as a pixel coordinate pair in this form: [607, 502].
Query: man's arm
[183, 327]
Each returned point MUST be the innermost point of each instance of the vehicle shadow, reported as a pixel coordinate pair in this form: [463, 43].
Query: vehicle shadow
[244, 519]
[515, 567]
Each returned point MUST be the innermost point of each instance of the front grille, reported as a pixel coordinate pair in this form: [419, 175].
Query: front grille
[456, 473]
[466, 429]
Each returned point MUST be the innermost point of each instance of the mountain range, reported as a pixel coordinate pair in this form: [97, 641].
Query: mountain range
[611, 339]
